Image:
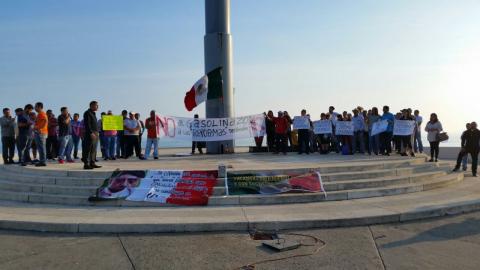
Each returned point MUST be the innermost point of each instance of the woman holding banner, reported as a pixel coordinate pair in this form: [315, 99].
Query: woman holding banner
[434, 127]
[374, 139]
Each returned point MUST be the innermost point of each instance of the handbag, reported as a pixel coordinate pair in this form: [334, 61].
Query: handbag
[441, 137]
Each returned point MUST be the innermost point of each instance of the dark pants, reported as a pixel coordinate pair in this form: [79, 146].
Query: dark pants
[434, 150]
[281, 143]
[52, 147]
[8, 149]
[76, 141]
[199, 146]
[473, 154]
[132, 143]
[122, 145]
[23, 146]
[289, 137]
[270, 141]
[303, 141]
[386, 142]
[406, 142]
[89, 150]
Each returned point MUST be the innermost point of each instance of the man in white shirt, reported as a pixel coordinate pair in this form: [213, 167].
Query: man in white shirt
[132, 131]
[417, 144]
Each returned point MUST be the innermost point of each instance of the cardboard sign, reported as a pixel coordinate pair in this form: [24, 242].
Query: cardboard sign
[344, 128]
[112, 122]
[379, 127]
[322, 127]
[301, 122]
[404, 127]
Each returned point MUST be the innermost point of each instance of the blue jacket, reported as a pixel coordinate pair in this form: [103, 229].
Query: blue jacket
[391, 119]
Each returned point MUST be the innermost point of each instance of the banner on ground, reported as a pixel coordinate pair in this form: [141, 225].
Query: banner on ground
[301, 122]
[212, 129]
[379, 127]
[271, 183]
[344, 128]
[159, 186]
[112, 122]
[322, 127]
[403, 127]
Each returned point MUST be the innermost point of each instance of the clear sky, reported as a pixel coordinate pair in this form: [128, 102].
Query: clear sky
[288, 54]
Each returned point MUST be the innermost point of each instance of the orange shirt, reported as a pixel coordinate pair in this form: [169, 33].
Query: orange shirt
[42, 123]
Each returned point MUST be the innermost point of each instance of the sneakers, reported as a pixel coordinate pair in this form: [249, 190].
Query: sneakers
[87, 167]
[61, 161]
[455, 169]
[40, 164]
[155, 158]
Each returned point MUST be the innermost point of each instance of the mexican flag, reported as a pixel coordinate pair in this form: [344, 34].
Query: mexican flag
[208, 87]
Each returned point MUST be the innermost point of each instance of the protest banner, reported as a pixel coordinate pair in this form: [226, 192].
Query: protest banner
[403, 127]
[160, 186]
[344, 128]
[379, 127]
[112, 122]
[212, 129]
[271, 183]
[322, 127]
[301, 122]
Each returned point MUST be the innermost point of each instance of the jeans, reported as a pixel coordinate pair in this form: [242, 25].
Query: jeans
[132, 144]
[374, 145]
[8, 149]
[76, 141]
[281, 143]
[434, 150]
[66, 146]
[110, 146]
[150, 143]
[474, 155]
[358, 136]
[51, 147]
[386, 142]
[303, 141]
[418, 145]
[465, 162]
[22, 142]
[41, 143]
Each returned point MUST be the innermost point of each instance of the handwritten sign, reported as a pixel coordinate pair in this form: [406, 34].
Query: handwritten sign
[344, 128]
[212, 129]
[322, 127]
[112, 122]
[301, 122]
[403, 127]
[379, 127]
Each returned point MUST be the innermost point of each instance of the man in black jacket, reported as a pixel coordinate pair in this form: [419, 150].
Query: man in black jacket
[471, 146]
[89, 151]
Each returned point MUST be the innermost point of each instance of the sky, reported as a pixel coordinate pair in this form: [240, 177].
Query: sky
[288, 55]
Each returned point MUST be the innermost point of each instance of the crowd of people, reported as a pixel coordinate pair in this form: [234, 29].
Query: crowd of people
[35, 132]
[279, 133]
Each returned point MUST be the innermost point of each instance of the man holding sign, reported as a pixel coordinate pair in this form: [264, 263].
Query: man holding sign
[302, 124]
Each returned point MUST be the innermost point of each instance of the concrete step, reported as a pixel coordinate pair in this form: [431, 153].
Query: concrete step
[415, 186]
[457, 199]
[332, 167]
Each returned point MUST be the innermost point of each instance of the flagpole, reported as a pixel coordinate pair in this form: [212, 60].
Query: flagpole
[218, 53]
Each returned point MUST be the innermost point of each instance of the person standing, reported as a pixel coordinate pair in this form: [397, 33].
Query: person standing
[358, 122]
[52, 139]
[7, 123]
[281, 130]
[65, 136]
[304, 137]
[289, 129]
[270, 130]
[76, 129]
[22, 136]
[121, 144]
[90, 137]
[374, 140]
[472, 147]
[41, 133]
[110, 138]
[417, 144]
[153, 124]
[195, 144]
[142, 128]
[386, 137]
[406, 141]
[434, 127]
[132, 131]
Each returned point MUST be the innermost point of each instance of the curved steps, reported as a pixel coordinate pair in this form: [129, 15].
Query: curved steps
[343, 181]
